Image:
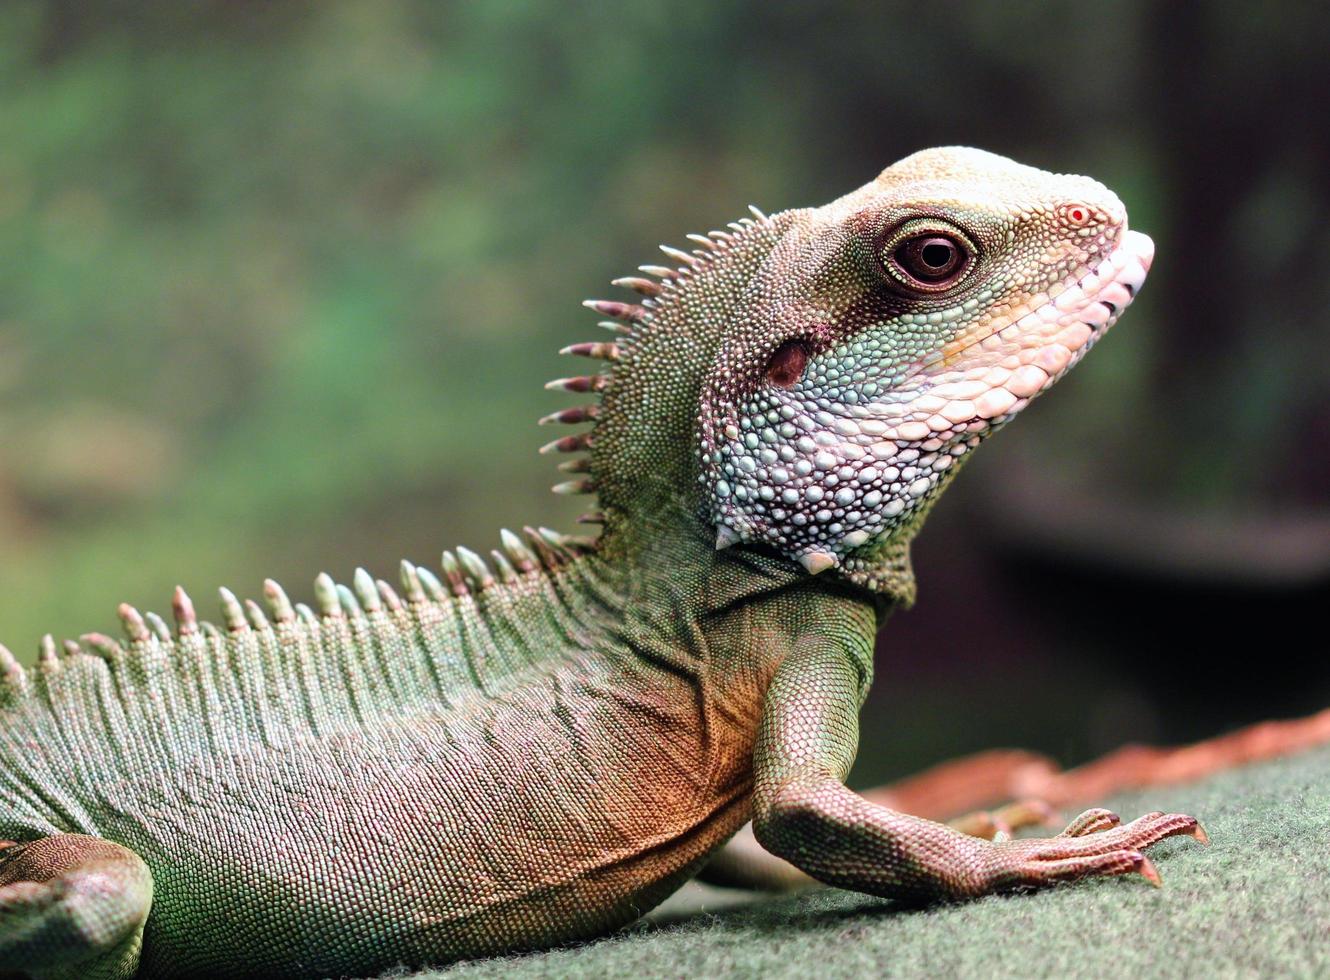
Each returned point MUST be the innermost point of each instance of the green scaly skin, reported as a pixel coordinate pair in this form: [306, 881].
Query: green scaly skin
[541, 748]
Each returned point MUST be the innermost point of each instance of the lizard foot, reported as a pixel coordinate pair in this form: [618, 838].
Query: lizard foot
[1095, 844]
[1002, 823]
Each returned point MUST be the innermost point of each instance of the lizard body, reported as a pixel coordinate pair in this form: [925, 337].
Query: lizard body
[542, 747]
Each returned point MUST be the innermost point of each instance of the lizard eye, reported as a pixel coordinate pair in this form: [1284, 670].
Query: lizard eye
[927, 260]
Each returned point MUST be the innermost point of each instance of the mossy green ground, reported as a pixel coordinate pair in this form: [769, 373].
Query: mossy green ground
[1256, 902]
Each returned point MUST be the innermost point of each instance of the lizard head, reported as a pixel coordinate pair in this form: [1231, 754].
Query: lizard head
[810, 381]
[887, 334]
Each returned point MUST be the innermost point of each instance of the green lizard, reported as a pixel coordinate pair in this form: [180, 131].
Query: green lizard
[540, 748]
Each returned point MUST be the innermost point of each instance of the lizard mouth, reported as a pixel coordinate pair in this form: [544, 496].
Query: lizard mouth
[1018, 360]
[1084, 311]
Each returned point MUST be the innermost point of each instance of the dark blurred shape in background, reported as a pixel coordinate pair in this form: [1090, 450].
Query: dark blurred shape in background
[281, 282]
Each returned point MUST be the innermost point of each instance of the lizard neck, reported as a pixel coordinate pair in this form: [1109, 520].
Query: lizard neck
[644, 462]
[644, 446]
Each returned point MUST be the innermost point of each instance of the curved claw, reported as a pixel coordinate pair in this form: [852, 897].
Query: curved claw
[1155, 826]
[1093, 845]
[1150, 872]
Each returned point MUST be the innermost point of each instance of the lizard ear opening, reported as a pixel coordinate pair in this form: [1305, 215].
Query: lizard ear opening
[786, 365]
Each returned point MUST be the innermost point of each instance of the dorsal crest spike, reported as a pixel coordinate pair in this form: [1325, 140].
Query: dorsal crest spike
[552, 536]
[325, 595]
[473, 566]
[572, 416]
[548, 556]
[591, 382]
[210, 632]
[257, 619]
[598, 350]
[101, 645]
[433, 587]
[233, 613]
[579, 465]
[659, 271]
[411, 582]
[758, 214]
[567, 546]
[279, 604]
[158, 627]
[70, 648]
[567, 444]
[637, 284]
[366, 591]
[615, 310]
[679, 255]
[46, 654]
[13, 678]
[503, 567]
[182, 606]
[136, 630]
[306, 615]
[523, 558]
[569, 487]
[349, 603]
[388, 596]
[452, 574]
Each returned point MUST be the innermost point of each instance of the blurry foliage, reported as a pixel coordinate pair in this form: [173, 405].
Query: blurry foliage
[281, 281]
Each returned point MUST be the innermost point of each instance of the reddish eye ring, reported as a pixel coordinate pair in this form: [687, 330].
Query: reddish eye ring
[1077, 215]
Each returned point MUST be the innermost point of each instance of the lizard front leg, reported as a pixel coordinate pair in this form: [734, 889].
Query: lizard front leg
[805, 814]
[72, 906]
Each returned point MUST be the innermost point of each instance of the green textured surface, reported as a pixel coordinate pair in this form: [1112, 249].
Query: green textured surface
[1254, 903]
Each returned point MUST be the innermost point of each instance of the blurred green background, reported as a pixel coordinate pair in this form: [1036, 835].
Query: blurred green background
[281, 283]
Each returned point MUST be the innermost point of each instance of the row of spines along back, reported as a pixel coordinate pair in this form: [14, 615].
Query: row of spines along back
[464, 572]
[625, 319]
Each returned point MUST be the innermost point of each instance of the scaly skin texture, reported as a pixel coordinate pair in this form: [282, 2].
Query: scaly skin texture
[541, 748]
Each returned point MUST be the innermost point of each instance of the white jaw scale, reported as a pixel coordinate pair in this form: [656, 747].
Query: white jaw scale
[994, 378]
[1085, 310]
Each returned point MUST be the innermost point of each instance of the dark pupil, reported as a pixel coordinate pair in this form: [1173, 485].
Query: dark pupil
[930, 259]
[936, 255]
